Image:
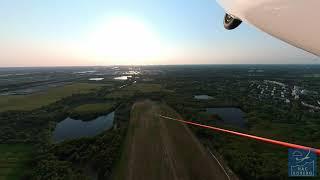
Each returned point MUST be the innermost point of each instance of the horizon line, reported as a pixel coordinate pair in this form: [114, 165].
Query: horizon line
[70, 66]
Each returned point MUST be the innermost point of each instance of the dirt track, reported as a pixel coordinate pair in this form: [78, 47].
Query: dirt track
[160, 149]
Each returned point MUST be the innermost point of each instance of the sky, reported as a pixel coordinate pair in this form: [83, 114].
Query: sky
[132, 32]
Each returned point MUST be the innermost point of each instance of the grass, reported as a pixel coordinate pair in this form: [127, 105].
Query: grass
[131, 90]
[96, 108]
[121, 94]
[145, 88]
[37, 100]
[13, 159]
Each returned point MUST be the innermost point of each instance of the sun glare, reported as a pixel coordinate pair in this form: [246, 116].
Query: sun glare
[123, 40]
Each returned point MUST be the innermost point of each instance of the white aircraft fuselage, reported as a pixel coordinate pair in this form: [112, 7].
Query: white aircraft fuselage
[296, 22]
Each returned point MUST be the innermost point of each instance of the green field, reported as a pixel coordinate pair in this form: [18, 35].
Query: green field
[13, 160]
[122, 94]
[131, 90]
[145, 88]
[33, 101]
[89, 109]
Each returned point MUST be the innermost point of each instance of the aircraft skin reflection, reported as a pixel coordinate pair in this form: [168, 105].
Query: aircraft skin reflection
[295, 22]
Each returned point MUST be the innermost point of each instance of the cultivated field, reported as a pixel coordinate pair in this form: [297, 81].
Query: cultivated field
[162, 149]
[33, 101]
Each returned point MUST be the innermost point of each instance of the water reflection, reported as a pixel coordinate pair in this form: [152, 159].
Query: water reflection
[96, 79]
[72, 129]
[230, 115]
[122, 77]
[202, 97]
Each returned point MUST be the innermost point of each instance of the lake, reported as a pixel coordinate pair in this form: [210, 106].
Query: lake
[73, 129]
[229, 116]
[202, 97]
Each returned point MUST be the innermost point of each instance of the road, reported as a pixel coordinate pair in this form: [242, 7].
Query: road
[157, 149]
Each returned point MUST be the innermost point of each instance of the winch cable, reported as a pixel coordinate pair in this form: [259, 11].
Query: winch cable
[262, 139]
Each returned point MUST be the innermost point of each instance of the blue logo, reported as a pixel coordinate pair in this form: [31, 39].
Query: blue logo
[302, 163]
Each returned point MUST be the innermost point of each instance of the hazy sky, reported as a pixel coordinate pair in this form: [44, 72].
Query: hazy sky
[105, 32]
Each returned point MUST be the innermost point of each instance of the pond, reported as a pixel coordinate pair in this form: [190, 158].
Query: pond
[72, 129]
[229, 116]
[202, 97]
[96, 79]
[122, 78]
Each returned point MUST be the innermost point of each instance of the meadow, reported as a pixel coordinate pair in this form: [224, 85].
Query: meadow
[88, 111]
[135, 89]
[37, 100]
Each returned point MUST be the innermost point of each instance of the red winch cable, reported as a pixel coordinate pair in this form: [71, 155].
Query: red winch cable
[266, 140]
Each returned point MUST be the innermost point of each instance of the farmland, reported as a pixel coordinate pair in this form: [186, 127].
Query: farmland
[37, 100]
